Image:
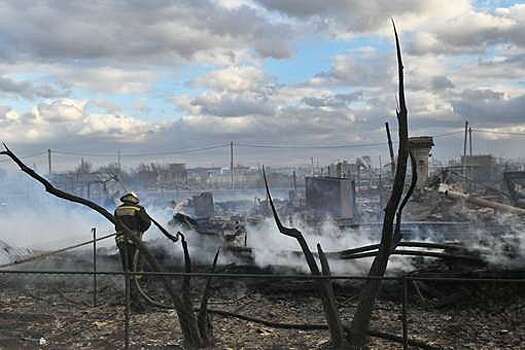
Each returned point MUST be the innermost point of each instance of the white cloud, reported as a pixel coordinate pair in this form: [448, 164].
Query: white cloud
[233, 78]
[107, 79]
[63, 119]
[162, 31]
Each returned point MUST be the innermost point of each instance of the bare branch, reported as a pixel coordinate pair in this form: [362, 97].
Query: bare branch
[187, 268]
[55, 191]
[203, 320]
[291, 232]
[318, 326]
[325, 290]
[185, 312]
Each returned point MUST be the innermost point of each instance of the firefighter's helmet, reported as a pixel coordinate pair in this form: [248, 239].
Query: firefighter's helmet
[130, 198]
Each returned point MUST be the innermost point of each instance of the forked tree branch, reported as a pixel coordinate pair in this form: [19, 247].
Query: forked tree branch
[185, 312]
[326, 290]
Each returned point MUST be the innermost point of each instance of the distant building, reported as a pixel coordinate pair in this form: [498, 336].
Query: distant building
[203, 172]
[342, 169]
[177, 173]
[481, 168]
[331, 196]
[203, 205]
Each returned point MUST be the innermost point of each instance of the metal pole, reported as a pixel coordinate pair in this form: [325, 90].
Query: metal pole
[470, 140]
[391, 149]
[231, 165]
[127, 294]
[94, 232]
[469, 170]
[50, 169]
[404, 316]
[465, 149]
[380, 188]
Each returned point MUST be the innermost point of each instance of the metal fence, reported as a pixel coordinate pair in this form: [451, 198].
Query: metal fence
[95, 274]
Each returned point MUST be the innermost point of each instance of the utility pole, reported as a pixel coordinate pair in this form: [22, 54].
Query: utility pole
[470, 140]
[118, 160]
[380, 188]
[391, 149]
[465, 140]
[232, 166]
[464, 165]
[49, 167]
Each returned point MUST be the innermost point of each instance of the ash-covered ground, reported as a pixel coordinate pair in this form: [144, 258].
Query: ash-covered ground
[54, 312]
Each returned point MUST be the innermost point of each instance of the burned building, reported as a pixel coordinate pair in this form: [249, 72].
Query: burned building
[420, 147]
[203, 206]
[482, 168]
[331, 196]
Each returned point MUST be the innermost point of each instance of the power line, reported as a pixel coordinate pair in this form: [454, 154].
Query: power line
[487, 131]
[188, 150]
[355, 145]
[248, 145]
[25, 157]
[448, 134]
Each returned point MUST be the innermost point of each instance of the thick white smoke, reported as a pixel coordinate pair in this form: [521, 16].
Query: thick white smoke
[32, 218]
[271, 248]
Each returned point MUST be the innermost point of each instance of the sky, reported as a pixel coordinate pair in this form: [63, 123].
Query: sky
[180, 80]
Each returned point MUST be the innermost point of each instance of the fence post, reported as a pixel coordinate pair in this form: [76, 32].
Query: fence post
[127, 292]
[94, 232]
[404, 311]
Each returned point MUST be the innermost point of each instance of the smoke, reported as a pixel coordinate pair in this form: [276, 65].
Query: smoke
[501, 240]
[271, 248]
[34, 219]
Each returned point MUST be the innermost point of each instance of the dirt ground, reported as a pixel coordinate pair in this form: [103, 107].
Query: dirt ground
[57, 313]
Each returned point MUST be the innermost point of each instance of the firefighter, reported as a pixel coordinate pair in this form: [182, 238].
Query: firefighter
[133, 216]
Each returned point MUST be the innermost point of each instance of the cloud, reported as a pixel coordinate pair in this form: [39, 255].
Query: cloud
[358, 70]
[29, 90]
[107, 79]
[232, 78]
[224, 105]
[258, 109]
[344, 18]
[67, 119]
[436, 27]
[212, 59]
[136, 31]
[490, 108]
[472, 31]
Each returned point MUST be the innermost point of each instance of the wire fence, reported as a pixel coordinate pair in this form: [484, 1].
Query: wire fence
[94, 274]
[403, 280]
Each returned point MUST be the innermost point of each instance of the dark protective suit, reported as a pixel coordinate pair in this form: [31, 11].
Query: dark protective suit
[134, 217]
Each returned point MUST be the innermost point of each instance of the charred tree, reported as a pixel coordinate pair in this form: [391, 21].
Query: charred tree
[358, 335]
[326, 290]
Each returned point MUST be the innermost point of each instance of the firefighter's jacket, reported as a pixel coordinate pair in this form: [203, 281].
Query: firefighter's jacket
[134, 217]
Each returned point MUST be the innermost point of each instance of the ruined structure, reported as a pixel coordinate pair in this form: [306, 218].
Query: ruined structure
[420, 147]
[481, 168]
[331, 196]
[203, 205]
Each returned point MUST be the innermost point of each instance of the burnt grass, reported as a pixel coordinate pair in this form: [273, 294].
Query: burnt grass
[55, 312]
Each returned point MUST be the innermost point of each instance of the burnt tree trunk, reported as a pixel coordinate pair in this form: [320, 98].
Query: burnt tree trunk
[358, 336]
